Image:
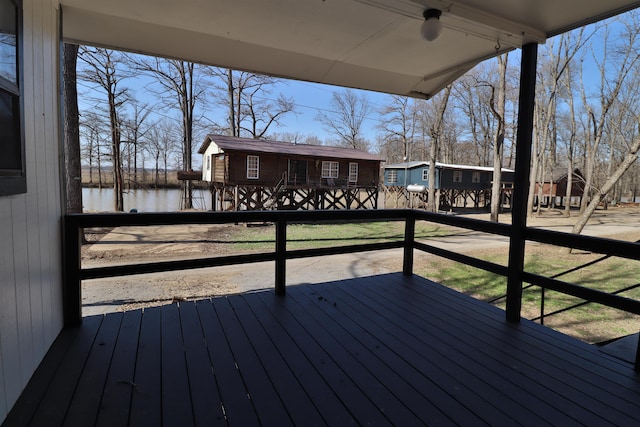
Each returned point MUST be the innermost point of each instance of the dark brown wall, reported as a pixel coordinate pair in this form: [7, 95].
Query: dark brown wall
[273, 166]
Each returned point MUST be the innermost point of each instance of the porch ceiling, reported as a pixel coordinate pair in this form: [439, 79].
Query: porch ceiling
[367, 44]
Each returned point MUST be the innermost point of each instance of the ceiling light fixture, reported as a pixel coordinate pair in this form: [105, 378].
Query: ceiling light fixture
[431, 27]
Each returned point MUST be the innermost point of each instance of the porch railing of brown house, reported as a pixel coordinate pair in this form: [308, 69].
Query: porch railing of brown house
[74, 273]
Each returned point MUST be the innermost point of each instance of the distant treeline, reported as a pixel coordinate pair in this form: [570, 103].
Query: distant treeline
[144, 179]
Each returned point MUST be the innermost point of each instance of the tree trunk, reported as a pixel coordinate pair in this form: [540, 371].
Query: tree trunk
[157, 172]
[541, 180]
[72, 131]
[498, 141]
[117, 158]
[533, 174]
[432, 201]
[629, 159]
[436, 135]
[232, 108]
[567, 207]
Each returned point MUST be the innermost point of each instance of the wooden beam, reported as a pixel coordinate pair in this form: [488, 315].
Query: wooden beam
[281, 256]
[409, 239]
[521, 180]
[71, 282]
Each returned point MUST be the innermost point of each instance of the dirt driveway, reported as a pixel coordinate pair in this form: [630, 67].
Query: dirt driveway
[139, 244]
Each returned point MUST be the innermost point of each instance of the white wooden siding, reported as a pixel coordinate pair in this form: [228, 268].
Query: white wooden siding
[30, 242]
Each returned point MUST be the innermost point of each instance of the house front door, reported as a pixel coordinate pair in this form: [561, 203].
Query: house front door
[297, 172]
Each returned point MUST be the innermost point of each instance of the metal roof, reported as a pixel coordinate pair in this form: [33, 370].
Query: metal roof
[367, 44]
[417, 164]
[230, 143]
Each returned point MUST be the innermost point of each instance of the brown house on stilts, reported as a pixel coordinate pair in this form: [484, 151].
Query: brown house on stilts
[554, 188]
[252, 174]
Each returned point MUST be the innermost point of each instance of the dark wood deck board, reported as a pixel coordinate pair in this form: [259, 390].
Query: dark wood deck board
[442, 348]
[236, 403]
[497, 376]
[59, 392]
[371, 395]
[116, 399]
[146, 400]
[176, 396]
[23, 413]
[453, 373]
[86, 400]
[291, 341]
[379, 350]
[572, 356]
[267, 402]
[205, 396]
[558, 365]
[294, 397]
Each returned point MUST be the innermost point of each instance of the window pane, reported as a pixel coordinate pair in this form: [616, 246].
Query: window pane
[353, 172]
[10, 143]
[329, 169]
[253, 167]
[8, 44]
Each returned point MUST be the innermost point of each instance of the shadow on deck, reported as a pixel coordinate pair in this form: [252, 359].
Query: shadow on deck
[377, 350]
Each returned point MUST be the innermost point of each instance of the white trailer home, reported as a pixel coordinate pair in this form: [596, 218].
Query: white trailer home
[366, 44]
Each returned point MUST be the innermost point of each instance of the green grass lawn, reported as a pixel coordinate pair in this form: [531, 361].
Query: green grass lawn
[309, 236]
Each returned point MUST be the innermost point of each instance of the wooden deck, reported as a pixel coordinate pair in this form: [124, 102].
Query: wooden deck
[379, 350]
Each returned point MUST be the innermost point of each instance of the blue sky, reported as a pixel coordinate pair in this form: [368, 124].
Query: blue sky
[310, 100]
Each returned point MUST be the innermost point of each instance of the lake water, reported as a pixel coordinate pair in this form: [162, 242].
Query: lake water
[163, 200]
[151, 200]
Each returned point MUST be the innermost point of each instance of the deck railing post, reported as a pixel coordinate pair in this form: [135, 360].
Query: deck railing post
[409, 238]
[521, 180]
[71, 282]
[281, 255]
[637, 364]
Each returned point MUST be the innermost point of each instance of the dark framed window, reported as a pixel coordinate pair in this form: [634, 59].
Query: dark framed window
[12, 161]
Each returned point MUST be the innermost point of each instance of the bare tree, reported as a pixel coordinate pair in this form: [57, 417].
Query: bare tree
[570, 138]
[134, 129]
[349, 110]
[473, 95]
[619, 60]
[499, 112]
[73, 169]
[434, 126]
[399, 129]
[559, 54]
[104, 69]
[297, 138]
[182, 81]
[247, 96]
[92, 129]
[261, 115]
[161, 142]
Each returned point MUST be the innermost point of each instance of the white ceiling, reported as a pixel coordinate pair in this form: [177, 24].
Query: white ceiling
[367, 44]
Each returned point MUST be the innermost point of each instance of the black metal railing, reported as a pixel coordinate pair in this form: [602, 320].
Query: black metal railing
[543, 315]
[74, 273]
